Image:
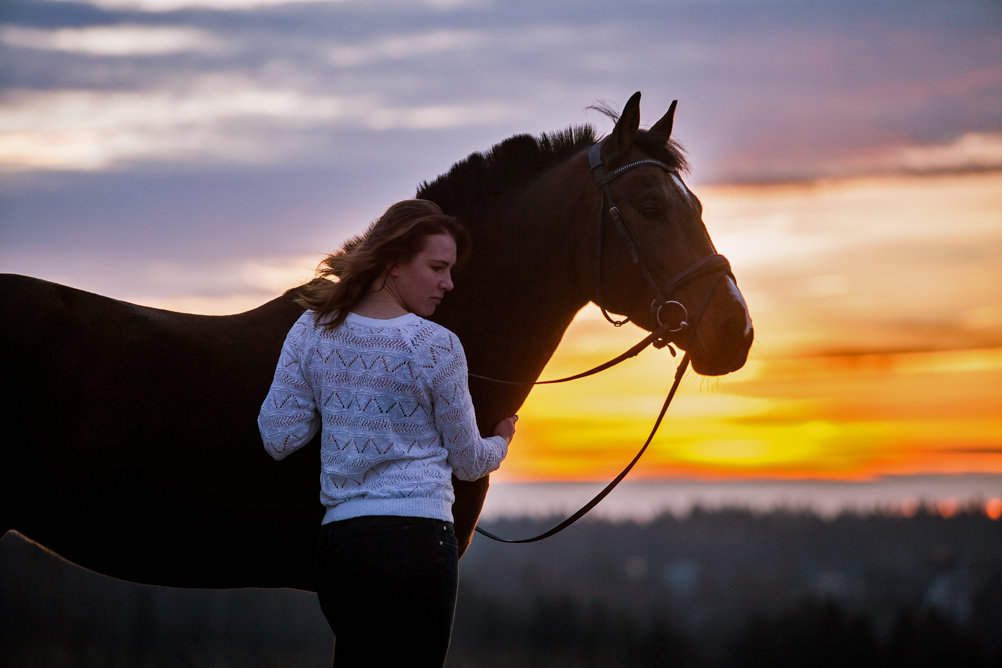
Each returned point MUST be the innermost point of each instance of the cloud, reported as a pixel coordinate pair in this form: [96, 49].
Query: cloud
[114, 40]
[174, 5]
[87, 130]
[218, 118]
[438, 116]
[972, 150]
[245, 5]
[402, 46]
[791, 93]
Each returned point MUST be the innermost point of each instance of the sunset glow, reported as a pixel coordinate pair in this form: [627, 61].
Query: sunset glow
[909, 413]
[913, 386]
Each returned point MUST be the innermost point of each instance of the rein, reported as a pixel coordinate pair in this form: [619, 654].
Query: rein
[651, 338]
[711, 264]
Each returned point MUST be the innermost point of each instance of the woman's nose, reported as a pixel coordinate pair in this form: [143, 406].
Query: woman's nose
[447, 282]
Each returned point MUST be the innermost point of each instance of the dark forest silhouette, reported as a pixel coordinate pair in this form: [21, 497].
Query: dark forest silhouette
[716, 588]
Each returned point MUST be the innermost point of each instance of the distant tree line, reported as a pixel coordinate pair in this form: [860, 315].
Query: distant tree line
[712, 589]
[562, 633]
[736, 588]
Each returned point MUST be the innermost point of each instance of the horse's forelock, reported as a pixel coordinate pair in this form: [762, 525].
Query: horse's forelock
[663, 148]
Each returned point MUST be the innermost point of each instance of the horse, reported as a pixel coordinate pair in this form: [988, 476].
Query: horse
[132, 444]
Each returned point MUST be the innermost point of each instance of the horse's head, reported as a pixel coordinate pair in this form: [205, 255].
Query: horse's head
[655, 262]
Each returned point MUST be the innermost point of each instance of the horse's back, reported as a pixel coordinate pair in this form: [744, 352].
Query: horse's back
[133, 446]
[42, 354]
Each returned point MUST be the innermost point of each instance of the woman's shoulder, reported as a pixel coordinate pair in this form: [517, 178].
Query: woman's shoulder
[305, 324]
[303, 331]
[431, 329]
[434, 339]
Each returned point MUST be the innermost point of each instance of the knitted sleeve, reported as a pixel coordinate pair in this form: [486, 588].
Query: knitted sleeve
[471, 456]
[288, 418]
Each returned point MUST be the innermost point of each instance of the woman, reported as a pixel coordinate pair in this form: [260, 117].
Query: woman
[388, 390]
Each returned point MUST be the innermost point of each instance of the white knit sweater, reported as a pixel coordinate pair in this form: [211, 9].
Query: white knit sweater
[392, 401]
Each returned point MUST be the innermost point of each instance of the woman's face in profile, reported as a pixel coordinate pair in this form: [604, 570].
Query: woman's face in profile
[422, 281]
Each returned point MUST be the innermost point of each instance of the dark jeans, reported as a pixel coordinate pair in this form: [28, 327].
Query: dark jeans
[387, 586]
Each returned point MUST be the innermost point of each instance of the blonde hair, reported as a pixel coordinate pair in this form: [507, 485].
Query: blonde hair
[396, 237]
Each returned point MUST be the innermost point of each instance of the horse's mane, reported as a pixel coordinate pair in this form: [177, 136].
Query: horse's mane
[482, 179]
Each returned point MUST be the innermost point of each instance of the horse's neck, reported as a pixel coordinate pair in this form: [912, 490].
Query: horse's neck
[524, 284]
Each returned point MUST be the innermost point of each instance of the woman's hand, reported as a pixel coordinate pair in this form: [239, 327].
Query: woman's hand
[506, 428]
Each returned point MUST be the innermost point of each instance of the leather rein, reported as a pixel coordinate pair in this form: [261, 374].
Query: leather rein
[663, 286]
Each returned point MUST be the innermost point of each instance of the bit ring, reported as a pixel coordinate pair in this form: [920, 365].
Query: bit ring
[682, 322]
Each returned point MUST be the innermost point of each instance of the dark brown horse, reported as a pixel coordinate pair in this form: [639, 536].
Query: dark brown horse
[131, 441]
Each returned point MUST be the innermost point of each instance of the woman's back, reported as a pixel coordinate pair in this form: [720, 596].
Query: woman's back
[394, 409]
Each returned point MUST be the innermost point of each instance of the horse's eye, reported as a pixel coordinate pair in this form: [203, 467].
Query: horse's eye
[652, 210]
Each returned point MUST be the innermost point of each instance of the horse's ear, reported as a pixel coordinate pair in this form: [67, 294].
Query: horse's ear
[663, 127]
[621, 139]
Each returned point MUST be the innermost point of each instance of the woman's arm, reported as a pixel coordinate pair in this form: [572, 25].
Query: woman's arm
[288, 418]
[471, 456]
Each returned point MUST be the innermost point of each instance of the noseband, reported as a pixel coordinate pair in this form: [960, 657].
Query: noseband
[662, 285]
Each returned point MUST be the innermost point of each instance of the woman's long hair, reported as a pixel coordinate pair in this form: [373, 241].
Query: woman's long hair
[395, 238]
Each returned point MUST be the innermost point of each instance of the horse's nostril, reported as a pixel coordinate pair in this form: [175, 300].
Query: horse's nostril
[736, 328]
[738, 333]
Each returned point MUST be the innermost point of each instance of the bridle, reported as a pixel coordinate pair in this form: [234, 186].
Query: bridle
[663, 286]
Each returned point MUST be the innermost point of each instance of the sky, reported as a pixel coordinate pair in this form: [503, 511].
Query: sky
[202, 155]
